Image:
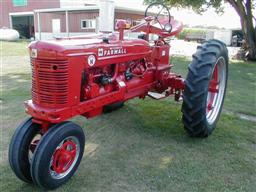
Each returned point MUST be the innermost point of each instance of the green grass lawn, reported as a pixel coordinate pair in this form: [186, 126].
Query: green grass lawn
[241, 92]
[143, 147]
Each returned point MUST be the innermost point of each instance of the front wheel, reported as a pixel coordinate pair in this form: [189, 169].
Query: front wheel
[205, 88]
[22, 147]
[58, 155]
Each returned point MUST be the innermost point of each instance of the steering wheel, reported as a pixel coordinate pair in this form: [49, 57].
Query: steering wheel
[163, 11]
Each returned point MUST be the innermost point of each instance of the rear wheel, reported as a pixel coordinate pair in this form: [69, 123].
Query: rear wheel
[58, 155]
[205, 88]
[22, 147]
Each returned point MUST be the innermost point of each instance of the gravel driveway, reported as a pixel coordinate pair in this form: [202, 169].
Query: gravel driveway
[184, 48]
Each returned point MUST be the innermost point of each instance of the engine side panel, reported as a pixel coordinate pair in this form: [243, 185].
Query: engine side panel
[69, 80]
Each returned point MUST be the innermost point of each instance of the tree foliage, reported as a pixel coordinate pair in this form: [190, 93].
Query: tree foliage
[244, 9]
[198, 6]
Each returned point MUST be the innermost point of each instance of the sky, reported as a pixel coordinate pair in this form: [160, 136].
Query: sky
[229, 19]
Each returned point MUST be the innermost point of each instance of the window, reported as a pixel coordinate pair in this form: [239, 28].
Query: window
[17, 3]
[88, 24]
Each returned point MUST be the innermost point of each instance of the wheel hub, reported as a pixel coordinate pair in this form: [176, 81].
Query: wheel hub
[213, 89]
[33, 145]
[64, 157]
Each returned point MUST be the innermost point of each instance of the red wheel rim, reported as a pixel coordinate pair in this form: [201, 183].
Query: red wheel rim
[213, 89]
[64, 157]
[216, 91]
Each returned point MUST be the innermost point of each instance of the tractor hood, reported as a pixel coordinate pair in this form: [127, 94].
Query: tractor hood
[55, 48]
[100, 49]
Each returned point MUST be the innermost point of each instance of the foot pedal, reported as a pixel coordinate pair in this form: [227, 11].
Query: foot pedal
[156, 96]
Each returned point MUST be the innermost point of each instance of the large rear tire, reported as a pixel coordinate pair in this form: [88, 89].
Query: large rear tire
[205, 88]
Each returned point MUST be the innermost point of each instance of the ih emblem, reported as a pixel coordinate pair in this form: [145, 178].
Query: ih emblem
[91, 60]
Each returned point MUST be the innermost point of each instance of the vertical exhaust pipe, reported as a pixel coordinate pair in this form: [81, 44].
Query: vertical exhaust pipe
[106, 16]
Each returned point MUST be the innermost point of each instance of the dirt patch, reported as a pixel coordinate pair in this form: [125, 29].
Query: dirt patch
[251, 118]
[247, 117]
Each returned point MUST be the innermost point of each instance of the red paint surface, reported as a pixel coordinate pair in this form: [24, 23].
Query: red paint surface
[67, 74]
[64, 156]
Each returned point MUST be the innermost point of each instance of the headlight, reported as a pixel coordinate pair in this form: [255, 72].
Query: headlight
[33, 53]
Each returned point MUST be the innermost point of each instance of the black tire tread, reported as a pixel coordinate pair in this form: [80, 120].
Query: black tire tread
[50, 137]
[19, 166]
[196, 87]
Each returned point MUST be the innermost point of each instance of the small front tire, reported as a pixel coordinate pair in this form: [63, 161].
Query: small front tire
[21, 149]
[58, 155]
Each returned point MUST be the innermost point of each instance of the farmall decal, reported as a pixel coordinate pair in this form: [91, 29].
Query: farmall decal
[111, 51]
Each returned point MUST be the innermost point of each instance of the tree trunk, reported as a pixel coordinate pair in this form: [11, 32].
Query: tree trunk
[245, 13]
[249, 30]
[250, 37]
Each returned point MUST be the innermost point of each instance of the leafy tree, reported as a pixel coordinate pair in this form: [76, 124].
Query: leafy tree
[244, 9]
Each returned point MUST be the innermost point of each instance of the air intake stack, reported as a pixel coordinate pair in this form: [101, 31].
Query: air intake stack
[106, 16]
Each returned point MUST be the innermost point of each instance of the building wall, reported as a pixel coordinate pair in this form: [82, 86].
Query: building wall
[6, 7]
[76, 3]
[121, 15]
[46, 21]
[75, 18]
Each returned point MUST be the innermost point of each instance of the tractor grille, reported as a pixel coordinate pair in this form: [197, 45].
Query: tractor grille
[49, 82]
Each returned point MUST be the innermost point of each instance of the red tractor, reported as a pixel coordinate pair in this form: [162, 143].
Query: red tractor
[89, 75]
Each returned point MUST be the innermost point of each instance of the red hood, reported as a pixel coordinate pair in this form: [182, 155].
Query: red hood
[75, 46]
